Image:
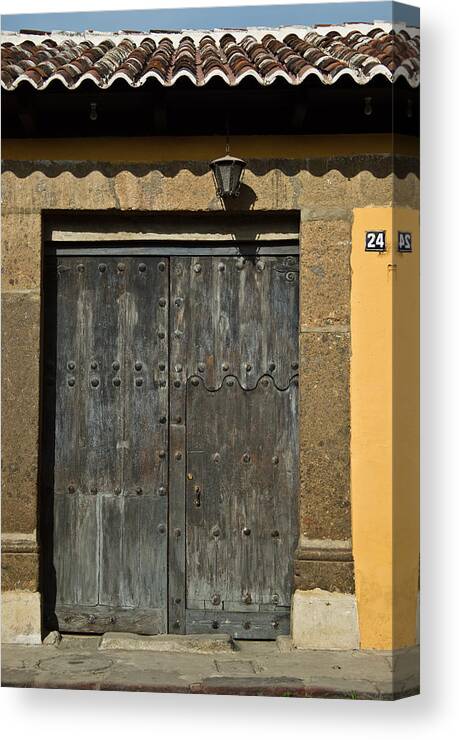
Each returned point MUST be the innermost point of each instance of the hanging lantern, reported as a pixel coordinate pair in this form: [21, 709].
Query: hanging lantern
[227, 172]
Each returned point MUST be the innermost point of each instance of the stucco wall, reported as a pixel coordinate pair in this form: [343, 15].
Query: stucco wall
[324, 191]
[385, 429]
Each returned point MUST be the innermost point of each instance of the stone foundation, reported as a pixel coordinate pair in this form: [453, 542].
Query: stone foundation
[322, 620]
[21, 617]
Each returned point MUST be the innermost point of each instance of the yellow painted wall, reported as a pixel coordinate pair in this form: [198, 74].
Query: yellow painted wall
[406, 389]
[385, 428]
[195, 148]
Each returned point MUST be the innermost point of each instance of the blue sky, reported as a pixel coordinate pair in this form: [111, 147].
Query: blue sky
[208, 18]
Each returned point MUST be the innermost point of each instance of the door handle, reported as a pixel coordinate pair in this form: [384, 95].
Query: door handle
[197, 496]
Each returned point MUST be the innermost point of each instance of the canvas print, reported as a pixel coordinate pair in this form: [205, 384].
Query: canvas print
[210, 382]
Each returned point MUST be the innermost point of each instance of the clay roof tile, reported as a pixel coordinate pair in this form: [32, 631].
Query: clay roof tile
[231, 55]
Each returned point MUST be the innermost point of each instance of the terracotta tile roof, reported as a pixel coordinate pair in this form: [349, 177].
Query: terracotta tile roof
[327, 53]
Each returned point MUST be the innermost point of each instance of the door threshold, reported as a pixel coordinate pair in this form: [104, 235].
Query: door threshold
[202, 643]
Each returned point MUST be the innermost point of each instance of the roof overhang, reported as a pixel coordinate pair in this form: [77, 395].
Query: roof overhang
[358, 52]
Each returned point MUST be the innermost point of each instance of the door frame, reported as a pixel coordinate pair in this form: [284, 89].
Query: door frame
[175, 248]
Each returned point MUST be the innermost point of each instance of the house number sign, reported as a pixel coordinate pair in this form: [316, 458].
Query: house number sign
[375, 241]
[405, 243]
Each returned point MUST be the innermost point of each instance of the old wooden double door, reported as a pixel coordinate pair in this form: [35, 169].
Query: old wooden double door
[170, 450]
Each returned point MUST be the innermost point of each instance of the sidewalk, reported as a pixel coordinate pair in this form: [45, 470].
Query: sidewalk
[204, 665]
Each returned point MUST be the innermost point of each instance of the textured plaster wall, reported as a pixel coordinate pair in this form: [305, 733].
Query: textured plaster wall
[385, 429]
[324, 191]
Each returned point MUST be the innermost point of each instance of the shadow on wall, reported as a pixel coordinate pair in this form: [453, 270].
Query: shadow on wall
[234, 221]
[378, 165]
[244, 202]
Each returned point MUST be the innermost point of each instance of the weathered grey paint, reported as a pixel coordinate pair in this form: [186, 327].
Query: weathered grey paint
[232, 328]
[104, 471]
[234, 334]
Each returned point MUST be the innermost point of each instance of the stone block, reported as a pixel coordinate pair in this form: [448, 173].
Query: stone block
[21, 250]
[20, 410]
[21, 618]
[324, 621]
[325, 273]
[53, 638]
[324, 574]
[167, 643]
[20, 571]
[324, 436]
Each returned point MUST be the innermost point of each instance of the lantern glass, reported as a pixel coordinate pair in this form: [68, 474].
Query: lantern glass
[228, 173]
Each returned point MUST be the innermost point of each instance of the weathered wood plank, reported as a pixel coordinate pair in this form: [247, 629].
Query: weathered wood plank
[242, 441]
[110, 453]
[134, 548]
[178, 371]
[244, 318]
[145, 385]
[177, 529]
[100, 401]
[68, 374]
[173, 249]
[249, 482]
[242, 626]
[64, 554]
[75, 520]
[86, 549]
[100, 408]
[111, 548]
[100, 619]
[153, 550]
